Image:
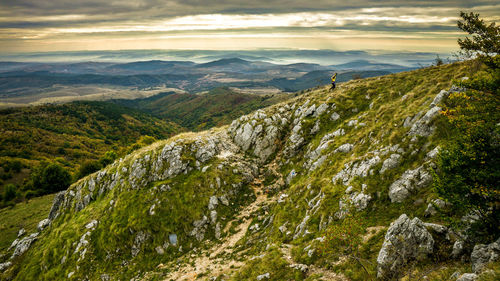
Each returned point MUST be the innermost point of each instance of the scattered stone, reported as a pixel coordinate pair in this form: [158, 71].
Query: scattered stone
[92, 225]
[21, 232]
[172, 238]
[335, 116]
[159, 250]
[298, 266]
[5, 265]
[291, 176]
[266, 275]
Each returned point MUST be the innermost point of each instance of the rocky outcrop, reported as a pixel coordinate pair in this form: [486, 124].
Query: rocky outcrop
[484, 254]
[410, 181]
[391, 162]
[423, 126]
[406, 240]
[24, 244]
[258, 133]
[356, 169]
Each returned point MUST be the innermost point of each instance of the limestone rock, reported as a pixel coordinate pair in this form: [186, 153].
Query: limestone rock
[24, 244]
[266, 275]
[391, 162]
[56, 204]
[5, 265]
[405, 240]
[423, 126]
[356, 169]
[410, 181]
[468, 277]
[346, 147]
[439, 98]
[484, 254]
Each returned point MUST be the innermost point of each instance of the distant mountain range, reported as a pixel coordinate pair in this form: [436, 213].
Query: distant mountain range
[36, 82]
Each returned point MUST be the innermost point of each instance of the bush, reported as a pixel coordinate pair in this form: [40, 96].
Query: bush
[55, 178]
[87, 168]
[9, 192]
[108, 158]
[48, 178]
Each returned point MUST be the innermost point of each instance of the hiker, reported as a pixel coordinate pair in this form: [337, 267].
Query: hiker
[333, 81]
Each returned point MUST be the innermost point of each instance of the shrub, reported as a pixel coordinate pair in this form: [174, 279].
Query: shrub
[9, 192]
[87, 168]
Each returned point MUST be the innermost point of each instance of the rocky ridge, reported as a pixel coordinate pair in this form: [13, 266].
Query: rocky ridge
[318, 157]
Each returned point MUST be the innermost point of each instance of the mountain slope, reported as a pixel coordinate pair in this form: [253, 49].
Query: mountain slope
[197, 112]
[182, 208]
[74, 132]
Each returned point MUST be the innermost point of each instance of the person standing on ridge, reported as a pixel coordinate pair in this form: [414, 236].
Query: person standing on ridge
[334, 77]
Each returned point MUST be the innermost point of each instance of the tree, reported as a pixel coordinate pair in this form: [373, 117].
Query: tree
[468, 167]
[87, 168]
[48, 178]
[55, 178]
[485, 41]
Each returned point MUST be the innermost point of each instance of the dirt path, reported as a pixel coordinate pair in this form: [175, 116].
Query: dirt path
[212, 261]
[323, 274]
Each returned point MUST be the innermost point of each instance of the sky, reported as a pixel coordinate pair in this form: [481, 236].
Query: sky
[70, 25]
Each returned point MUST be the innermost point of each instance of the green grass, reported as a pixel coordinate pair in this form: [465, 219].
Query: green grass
[217, 107]
[23, 215]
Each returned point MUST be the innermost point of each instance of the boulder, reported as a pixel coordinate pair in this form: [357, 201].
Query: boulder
[410, 181]
[484, 254]
[405, 240]
[391, 162]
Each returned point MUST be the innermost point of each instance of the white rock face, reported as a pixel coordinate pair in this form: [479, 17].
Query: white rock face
[484, 254]
[257, 133]
[405, 240]
[410, 181]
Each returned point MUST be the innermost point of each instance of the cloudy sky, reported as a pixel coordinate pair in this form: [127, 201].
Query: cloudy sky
[64, 25]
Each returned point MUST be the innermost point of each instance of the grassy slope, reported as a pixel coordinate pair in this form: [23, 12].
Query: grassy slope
[383, 127]
[74, 132]
[199, 112]
[25, 215]
[392, 99]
